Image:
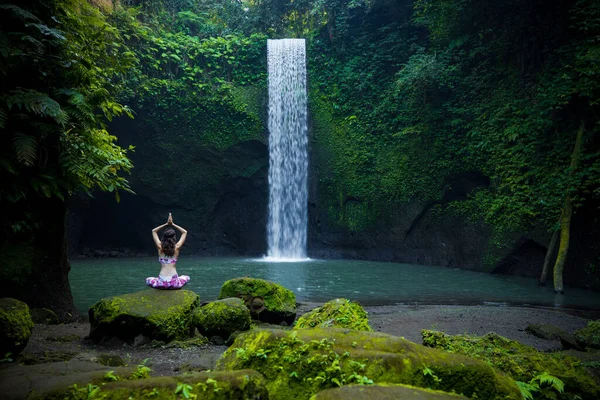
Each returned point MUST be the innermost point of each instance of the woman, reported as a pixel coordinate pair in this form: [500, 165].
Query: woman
[168, 252]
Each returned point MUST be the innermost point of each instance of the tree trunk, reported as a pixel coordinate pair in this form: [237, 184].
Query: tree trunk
[565, 220]
[50, 286]
[548, 259]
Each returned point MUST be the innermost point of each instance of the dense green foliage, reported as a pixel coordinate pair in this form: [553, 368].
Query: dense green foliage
[188, 81]
[60, 67]
[404, 97]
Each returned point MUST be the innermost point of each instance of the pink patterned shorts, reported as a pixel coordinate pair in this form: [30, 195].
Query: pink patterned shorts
[174, 282]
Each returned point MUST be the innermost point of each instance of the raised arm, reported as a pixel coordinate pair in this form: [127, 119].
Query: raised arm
[182, 238]
[155, 235]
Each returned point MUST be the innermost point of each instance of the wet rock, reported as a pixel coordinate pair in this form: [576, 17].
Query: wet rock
[552, 332]
[100, 254]
[44, 316]
[222, 318]
[15, 327]
[141, 340]
[338, 313]
[157, 314]
[266, 300]
[110, 360]
[384, 392]
[300, 363]
[218, 340]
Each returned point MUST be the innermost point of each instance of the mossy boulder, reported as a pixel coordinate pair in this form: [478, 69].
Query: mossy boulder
[553, 332]
[44, 316]
[521, 362]
[156, 314]
[384, 392]
[266, 300]
[590, 335]
[339, 313]
[235, 385]
[55, 380]
[222, 317]
[300, 363]
[15, 327]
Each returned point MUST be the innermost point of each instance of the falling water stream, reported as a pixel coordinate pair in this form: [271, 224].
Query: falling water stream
[288, 159]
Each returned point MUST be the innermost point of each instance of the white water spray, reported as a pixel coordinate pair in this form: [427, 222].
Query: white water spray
[288, 159]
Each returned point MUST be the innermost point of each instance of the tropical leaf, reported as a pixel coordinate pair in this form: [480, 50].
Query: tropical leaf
[527, 390]
[3, 118]
[47, 31]
[547, 379]
[38, 47]
[25, 148]
[38, 103]
[19, 12]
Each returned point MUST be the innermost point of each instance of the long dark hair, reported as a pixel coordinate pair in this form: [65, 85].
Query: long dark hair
[168, 242]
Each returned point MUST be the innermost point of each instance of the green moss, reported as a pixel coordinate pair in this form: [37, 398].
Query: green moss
[222, 317]
[590, 335]
[234, 385]
[519, 361]
[546, 331]
[64, 338]
[263, 298]
[300, 363]
[185, 344]
[341, 313]
[384, 391]
[158, 314]
[15, 326]
[48, 356]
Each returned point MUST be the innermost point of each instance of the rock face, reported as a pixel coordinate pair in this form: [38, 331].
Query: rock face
[217, 191]
[222, 318]
[521, 362]
[338, 313]
[266, 300]
[15, 327]
[384, 392]
[157, 314]
[325, 358]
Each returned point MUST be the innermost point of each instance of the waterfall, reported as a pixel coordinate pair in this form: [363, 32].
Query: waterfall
[288, 159]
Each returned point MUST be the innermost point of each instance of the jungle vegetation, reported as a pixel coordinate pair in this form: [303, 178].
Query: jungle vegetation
[401, 93]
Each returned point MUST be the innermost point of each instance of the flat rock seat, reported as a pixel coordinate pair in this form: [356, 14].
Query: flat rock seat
[156, 314]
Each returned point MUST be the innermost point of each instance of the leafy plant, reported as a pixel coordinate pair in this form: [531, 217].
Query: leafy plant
[544, 384]
[185, 390]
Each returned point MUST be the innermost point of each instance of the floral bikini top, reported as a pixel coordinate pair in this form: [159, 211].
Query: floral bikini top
[167, 260]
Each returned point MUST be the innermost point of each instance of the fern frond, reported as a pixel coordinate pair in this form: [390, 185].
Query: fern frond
[37, 103]
[19, 12]
[47, 31]
[3, 118]
[527, 390]
[25, 148]
[37, 46]
[7, 165]
[547, 379]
